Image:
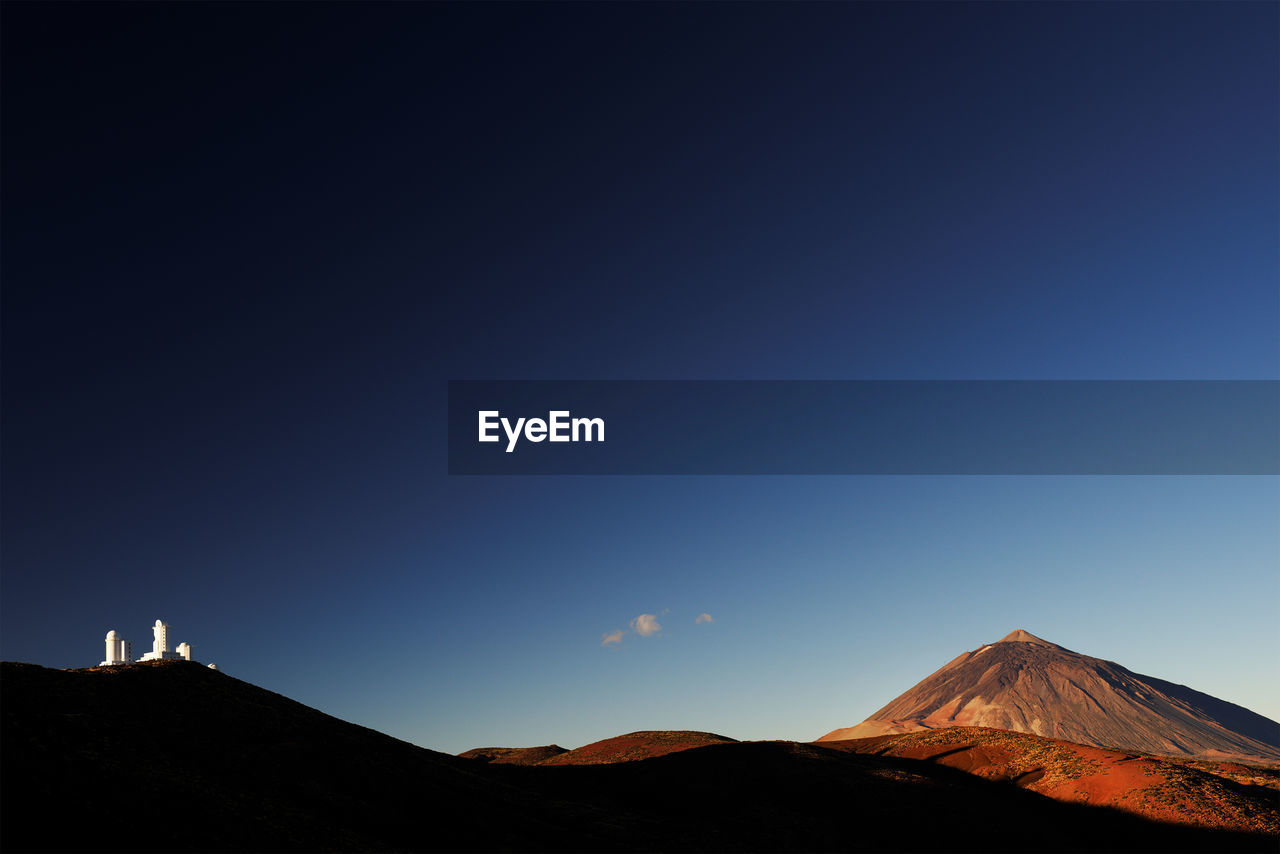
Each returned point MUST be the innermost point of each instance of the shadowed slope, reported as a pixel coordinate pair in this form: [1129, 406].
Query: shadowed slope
[1026, 684]
[170, 755]
[175, 757]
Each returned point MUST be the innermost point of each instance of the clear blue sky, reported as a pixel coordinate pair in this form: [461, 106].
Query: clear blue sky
[247, 246]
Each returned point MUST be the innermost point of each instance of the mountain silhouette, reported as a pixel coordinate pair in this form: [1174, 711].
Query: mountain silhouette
[170, 756]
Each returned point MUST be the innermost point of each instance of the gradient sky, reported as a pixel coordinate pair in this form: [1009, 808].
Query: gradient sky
[246, 246]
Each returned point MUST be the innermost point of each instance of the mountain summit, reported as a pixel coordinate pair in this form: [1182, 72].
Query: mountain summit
[1024, 683]
[1024, 636]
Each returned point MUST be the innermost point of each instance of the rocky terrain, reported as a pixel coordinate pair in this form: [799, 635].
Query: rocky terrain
[1224, 795]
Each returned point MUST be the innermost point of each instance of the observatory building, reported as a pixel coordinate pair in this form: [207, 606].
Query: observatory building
[120, 651]
[160, 645]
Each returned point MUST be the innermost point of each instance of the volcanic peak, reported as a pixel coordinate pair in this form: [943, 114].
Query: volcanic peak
[1026, 684]
[1024, 636]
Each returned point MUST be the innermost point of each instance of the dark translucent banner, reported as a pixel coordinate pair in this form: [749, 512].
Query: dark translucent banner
[865, 427]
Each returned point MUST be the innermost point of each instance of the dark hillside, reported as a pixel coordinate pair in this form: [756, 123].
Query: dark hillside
[174, 757]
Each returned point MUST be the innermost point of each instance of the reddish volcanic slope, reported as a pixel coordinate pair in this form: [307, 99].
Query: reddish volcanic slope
[1025, 684]
[1220, 795]
[637, 745]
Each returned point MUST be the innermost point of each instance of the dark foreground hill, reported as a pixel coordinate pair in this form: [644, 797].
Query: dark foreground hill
[1026, 684]
[175, 757]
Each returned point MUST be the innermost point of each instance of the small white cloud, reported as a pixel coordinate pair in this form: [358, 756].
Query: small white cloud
[645, 625]
[703, 618]
[612, 637]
